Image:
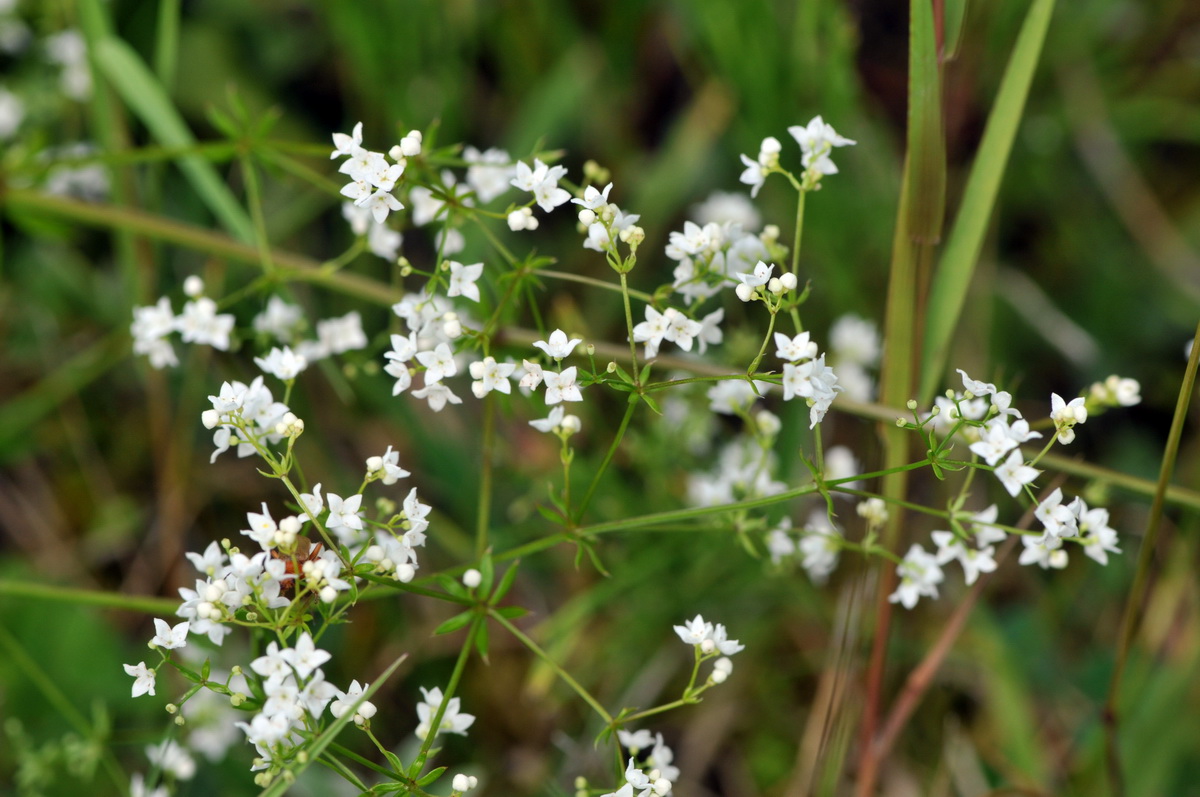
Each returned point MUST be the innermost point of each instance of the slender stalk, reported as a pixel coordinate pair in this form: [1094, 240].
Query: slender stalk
[592, 281]
[488, 451]
[1137, 591]
[558, 670]
[612, 450]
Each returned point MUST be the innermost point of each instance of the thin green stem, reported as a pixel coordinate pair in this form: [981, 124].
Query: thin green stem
[592, 281]
[637, 378]
[488, 451]
[612, 450]
[558, 670]
[795, 314]
[254, 200]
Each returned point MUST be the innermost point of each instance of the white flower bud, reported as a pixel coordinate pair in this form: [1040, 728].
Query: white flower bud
[789, 280]
[464, 782]
[328, 594]
[210, 419]
[405, 573]
[570, 424]
[718, 676]
[452, 328]
[587, 216]
[662, 786]
[374, 464]
[744, 292]
[193, 286]
[472, 578]
[707, 646]
[410, 145]
[723, 664]
[775, 286]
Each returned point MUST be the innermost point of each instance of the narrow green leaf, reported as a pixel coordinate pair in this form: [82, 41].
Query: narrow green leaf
[506, 582]
[453, 624]
[512, 612]
[950, 284]
[145, 96]
[481, 641]
[433, 775]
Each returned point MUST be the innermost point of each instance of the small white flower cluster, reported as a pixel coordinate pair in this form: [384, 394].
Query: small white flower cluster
[394, 551]
[758, 284]
[453, 720]
[604, 221]
[657, 760]
[198, 323]
[231, 583]
[744, 469]
[1070, 521]
[372, 177]
[251, 412]
[819, 546]
[710, 254]
[710, 642]
[639, 784]
[1116, 391]
[542, 181]
[806, 375]
[675, 326]
[296, 694]
[816, 139]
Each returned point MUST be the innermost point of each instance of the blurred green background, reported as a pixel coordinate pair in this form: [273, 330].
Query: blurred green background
[1090, 269]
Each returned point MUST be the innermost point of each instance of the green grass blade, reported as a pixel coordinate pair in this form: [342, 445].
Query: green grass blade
[145, 96]
[949, 290]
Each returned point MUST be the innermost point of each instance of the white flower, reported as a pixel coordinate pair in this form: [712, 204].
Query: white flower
[438, 363]
[561, 386]
[1014, 473]
[438, 396]
[754, 279]
[490, 172]
[794, 349]
[490, 375]
[1065, 415]
[694, 631]
[816, 140]
[819, 547]
[342, 334]
[279, 319]
[463, 278]
[1098, 538]
[343, 514]
[542, 181]
[169, 637]
[347, 144]
[346, 700]
[558, 345]
[919, 576]
[710, 329]
[1045, 553]
[453, 721]
[172, 758]
[975, 387]
[532, 377]
[651, 331]
[681, 330]
[200, 323]
[1058, 520]
[143, 683]
[973, 561]
[282, 363]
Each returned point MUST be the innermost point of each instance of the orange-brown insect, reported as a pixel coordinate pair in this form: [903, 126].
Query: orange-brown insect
[305, 551]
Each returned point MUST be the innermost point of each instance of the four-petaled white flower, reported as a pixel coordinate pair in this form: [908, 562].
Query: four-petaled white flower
[169, 637]
[490, 375]
[143, 683]
[919, 576]
[558, 346]
[439, 363]
[816, 140]
[561, 386]
[1013, 473]
[453, 720]
[463, 278]
[346, 700]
